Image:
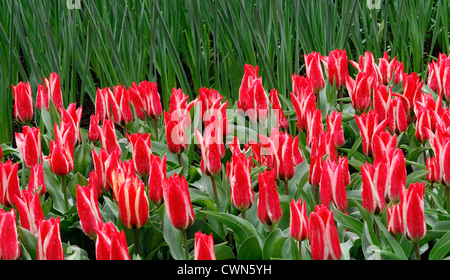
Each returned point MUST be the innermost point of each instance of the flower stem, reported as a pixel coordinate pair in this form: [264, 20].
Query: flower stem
[447, 191]
[216, 198]
[286, 187]
[156, 129]
[137, 241]
[300, 249]
[186, 249]
[416, 250]
[64, 190]
[180, 161]
[341, 102]
[244, 214]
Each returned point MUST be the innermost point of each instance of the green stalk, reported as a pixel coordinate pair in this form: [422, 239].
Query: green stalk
[286, 187]
[216, 198]
[137, 241]
[186, 249]
[417, 250]
[64, 190]
[300, 249]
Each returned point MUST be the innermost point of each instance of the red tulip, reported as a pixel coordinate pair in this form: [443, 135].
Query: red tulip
[269, 210]
[141, 152]
[315, 171]
[280, 118]
[146, 100]
[375, 180]
[102, 107]
[412, 209]
[9, 183]
[133, 203]
[323, 145]
[23, 102]
[49, 246]
[100, 167]
[9, 243]
[360, 91]
[366, 64]
[412, 88]
[110, 243]
[303, 99]
[397, 176]
[369, 125]
[54, 92]
[29, 145]
[382, 101]
[156, 179]
[334, 126]
[212, 150]
[433, 175]
[336, 65]
[394, 218]
[178, 202]
[108, 137]
[238, 176]
[204, 247]
[94, 128]
[439, 76]
[314, 126]
[323, 235]
[30, 211]
[61, 158]
[397, 117]
[298, 220]
[440, 145]
[72, 116]
[120, 104]
[423, 123]
[117, 173]
[88, 211]
[42, 98]
[176, 132]
[314, 70]
[37, 182]
[390, 71]
[332, 185]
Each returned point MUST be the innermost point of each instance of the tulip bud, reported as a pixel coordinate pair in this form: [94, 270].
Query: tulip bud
[360, 91]
[269, 210]
[30, 211]
[394, 218]
[374, 185]
[323, 235]
[178, 202]
[366, 64]
[23, 102]
[238, 176]
[212, 150]
[9, 243]
[315, 171]
[336, 65]
[133, 203]
[439, 76]
[49, 245]
[432, 176]
[141, 152]
[88, 211]
[397, 117]
[29, 146]
[314, 70]
[94, 129]
[54, 90]
[298, 220]
[37, 182]
[9, 183]
[314, 126]
[176, 132]
[110, 243]
[396, 176]
[42, 98]
[156, 179]
[412, 209]
[412, 88]
[381, 101]
[423, 123]
[204, 247]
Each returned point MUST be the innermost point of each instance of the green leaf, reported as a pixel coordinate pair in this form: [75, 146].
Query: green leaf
[273, 247]
[29, 242]
[174, 239]
[223, 251]
[250, 249]
[441, 249]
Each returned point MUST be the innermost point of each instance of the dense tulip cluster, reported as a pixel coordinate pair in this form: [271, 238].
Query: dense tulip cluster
[132, 178]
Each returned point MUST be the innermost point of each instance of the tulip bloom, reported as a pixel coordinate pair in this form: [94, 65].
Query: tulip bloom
[9, 243]
[280, 118]
[269, 210]
[390, 71]
[439, 76]
[49, 246]
[23, 102]
[366, 64]
[332, 185]
[110, 243]
[146, 100]
[94, 129]
[334, 126]
[369, 125]
[423, 123]
[360, 91]
[178, 202]
[314, 126]
[298, 220]
[37, 182]
[238, 176]
[30, 211]
[156, 179]
[108, 137]
[375, 179]
[432, 175]
[212, 150]
[394, 218]
[382, 101]
[397, 117]
[133, 203]
[252, 96]
[441, 151]
[102, 107]
[54, 92]
[120, 104]
[88, 211]
[314, 70]
[336, 65]
[29, 146]
[204, 247]
[412, 88]
[412, 209]
[42, 98]
[323, 235]
[141, 152]
[9, 183]
[396, 176]
[303, 99]
[72, 116]
[61, 158]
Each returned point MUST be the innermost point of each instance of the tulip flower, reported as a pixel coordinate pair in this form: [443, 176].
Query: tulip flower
[72, 116]
[332, 185]
[441, 150]
[208, 99]
[412, 88]
[176, 132]
[29, 146]
[397, 176]
[323, 145]
[102, 107]
[117, 172]
[394, 219]
[314, 70]
[298, 220]
[238, 176]
[133, 203]
[156, 179]
[9, 183]
[303, 99]
[204, 247]
[280, 118]
[110, 243]
[336, 65]
[369, 125]
[315, 171]
[314, 126]
[30, 211]
[366, 64]
[397, 117]
[323, 235]
[36, 183]
[88, 211]
[9, 243]
[146, 100]
[94, 128]
[269, 210]
[120, 100]
[108, 137]
[382, 101]
[177, 202]
[23, 102]
[334, 126]
[423, 123]
[390, 71]
[413, 216]
[360, 91]
[375, 179]
[141, 152]
[49, 245]
[100, 167]
[250, 74]
[439, 76]
[42, 98]
[54, 92]
[61, 157]
[432, 175]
